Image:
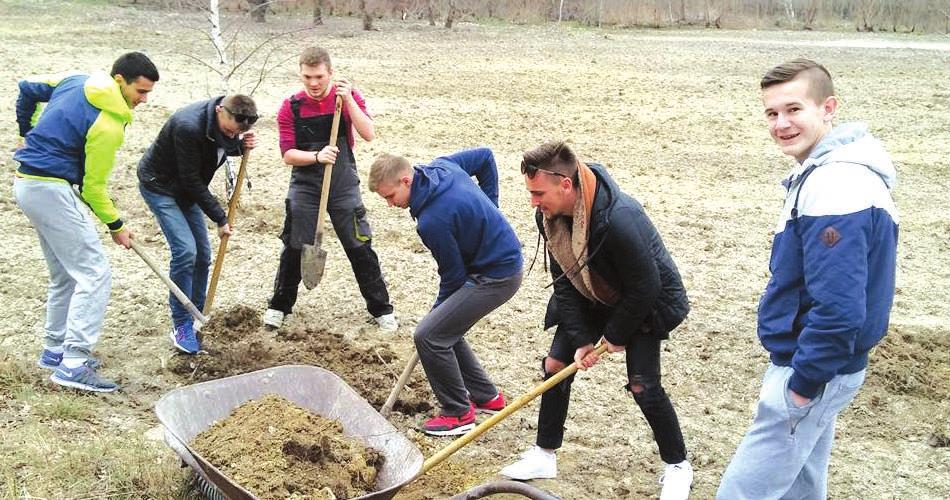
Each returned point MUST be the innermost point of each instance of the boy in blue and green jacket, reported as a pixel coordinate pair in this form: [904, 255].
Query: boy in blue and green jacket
[69, 150]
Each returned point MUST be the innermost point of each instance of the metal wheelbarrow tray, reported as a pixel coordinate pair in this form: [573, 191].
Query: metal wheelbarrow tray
[187, 411]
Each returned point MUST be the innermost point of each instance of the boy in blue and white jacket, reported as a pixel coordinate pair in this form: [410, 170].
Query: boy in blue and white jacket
[829, 299]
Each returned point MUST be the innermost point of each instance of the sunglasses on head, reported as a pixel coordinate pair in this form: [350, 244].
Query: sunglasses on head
[532, 170]
[241, 117]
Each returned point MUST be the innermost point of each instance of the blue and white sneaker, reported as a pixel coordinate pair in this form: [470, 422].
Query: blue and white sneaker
[184, 338]
[51, 360]
[84, 378]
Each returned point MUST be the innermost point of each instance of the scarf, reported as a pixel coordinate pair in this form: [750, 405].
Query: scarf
[569, 244]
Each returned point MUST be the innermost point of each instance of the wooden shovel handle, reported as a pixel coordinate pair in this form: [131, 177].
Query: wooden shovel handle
[170, 284]
[223, 245]
[403, 378]
[512, 407]
[328, 167]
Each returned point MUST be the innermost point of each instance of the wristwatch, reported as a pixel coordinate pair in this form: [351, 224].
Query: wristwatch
[316, 157]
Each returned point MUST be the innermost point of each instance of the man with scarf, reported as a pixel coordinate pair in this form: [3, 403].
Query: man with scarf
[173, 178]
[613, 280]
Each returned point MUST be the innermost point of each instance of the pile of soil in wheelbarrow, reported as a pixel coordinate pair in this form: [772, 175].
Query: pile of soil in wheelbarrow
[235, 342]
[277, 449]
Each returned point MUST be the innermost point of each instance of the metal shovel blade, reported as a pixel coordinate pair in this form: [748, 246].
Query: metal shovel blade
[313, 259]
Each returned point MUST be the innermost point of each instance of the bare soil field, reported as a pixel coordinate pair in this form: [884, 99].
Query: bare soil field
[676, 118]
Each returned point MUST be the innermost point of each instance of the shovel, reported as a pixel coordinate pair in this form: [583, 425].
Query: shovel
[223, 245]
[313, 258]
[387, 408]
[171, 284]
[514, 406]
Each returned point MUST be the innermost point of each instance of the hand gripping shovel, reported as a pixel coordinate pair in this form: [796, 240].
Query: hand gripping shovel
[171, 284]
[313, 258]
[223, 245]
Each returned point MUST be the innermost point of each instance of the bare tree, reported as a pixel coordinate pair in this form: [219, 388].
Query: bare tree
[450, 17]
[317, 12]
[367, 17]
[810, 13]
[430, 11]
[258, 9]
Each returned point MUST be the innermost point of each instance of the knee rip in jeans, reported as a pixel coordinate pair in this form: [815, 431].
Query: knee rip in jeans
[555, 366]
[640, 387]
[550, 367]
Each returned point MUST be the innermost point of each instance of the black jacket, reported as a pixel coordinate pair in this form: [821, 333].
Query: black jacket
[184, 157]
[626, 250]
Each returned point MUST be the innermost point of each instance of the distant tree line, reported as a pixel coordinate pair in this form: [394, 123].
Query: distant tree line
[906, 16]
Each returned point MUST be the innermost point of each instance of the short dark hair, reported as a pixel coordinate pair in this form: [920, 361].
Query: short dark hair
[132, 65]
[315, 56]
[240, 104]
[819, 79]
[553, 156]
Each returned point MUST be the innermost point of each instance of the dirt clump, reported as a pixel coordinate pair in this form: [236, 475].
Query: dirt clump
[277, 449]
[912, 361]
[235, 342]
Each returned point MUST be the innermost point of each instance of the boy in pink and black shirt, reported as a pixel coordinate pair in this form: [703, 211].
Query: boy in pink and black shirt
[304, 123]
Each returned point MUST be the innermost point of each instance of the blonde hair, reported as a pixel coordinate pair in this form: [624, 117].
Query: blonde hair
[386, 170]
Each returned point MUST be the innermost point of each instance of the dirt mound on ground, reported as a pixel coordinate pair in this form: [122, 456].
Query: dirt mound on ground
[235, 342]
[277, 449]
[912, 360]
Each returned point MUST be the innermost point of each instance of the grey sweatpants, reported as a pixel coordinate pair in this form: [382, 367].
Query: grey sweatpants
[79, 276]
[450, 365]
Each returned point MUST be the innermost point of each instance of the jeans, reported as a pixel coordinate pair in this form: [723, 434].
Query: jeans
[642, 355]
[80, 280]
[449, 363]
[785, 452]
[187, 237]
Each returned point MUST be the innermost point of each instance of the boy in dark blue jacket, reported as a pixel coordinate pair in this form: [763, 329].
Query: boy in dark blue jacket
[479, 259]
[829, 298]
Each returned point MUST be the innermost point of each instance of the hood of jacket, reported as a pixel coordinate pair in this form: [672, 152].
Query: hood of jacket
[850, 142]
[428, 183]
[104, 93]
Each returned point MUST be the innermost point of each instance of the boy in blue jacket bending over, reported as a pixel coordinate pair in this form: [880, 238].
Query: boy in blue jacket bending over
[479, 259]
[829, 298]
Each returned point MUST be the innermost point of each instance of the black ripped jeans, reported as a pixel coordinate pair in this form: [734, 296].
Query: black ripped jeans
[643, 368]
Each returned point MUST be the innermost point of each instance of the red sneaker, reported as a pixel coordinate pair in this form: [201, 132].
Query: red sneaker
[445, 425]
[492, 406]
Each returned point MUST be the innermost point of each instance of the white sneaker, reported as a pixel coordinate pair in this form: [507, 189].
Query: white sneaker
[535, 463]
[387, 322]
[273, 318]
[676, 480]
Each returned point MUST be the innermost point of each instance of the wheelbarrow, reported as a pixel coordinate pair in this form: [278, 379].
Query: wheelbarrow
[187, 411]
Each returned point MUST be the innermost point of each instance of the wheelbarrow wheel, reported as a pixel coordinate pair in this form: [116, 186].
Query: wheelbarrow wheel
[205, 489]
[498, 487]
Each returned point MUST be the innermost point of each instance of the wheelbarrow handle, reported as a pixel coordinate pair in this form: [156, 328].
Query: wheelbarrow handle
[514, 406]
[171, 284]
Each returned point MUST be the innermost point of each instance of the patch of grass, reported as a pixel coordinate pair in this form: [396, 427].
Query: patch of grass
[19, 380]
[90, 462]
[66, 407]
